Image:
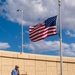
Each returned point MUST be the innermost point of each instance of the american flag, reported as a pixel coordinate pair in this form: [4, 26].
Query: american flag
[43, 30]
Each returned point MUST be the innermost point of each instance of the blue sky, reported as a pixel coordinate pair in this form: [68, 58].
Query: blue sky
[36, 11]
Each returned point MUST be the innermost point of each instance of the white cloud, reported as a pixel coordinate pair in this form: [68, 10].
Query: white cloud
[36, 11]
[45, 46]
[70, 2]
[41, 46]
[4, 45]
[68, 17]
[33, 10]
[69, 53]
[71, 34]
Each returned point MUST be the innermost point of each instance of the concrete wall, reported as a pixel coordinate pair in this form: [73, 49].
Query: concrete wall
[33, 64]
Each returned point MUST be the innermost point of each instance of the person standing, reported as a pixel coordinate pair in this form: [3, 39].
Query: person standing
[15, 71]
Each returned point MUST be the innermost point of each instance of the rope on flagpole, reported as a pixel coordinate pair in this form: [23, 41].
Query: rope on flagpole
[60, 37]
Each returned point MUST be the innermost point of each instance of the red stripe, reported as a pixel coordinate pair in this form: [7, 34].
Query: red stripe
[37, 39]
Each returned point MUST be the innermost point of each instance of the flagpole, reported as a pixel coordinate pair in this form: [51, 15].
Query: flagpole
[60, 36]
[22, 26]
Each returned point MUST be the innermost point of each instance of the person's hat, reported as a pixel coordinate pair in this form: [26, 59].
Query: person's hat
[16, 66]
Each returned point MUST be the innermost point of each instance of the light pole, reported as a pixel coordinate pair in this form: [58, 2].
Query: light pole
[22, 26]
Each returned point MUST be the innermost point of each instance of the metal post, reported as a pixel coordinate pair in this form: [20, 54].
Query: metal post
[60, 36]
[22, 26]
[22, 31]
